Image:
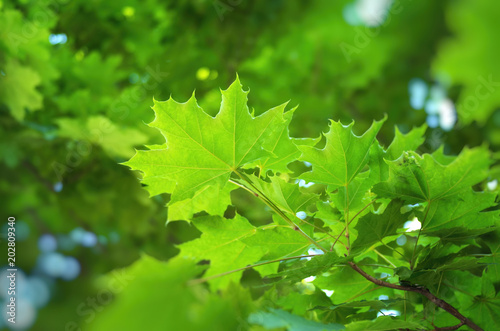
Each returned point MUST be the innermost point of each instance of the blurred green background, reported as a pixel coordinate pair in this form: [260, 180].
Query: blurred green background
[78, 77]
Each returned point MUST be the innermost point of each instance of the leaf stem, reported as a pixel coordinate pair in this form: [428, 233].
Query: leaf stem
[412, 261]
[384, 258]
[354, 217]
[301, 220]
[278, 211]
[347, 221]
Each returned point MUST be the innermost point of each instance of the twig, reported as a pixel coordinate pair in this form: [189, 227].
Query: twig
[448, 328]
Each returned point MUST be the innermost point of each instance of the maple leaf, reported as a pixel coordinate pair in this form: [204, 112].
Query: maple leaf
[288, 197]
[101, 131]
[210, 199]
[373, 228]
[379, 170]
[234, 243]
[165, 283]
[203, 150]
[463, 210]
[417, 178]
[221, 243]
[18, 89]
[343, 157]
[405, 142]
[284, 149]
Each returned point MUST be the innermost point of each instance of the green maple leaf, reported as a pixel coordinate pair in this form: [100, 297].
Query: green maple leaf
[464, 210]
[405, 142]
[299, 304]
[101, 131]
[416, 178]
[172, 302]
[373, 228]
[355, 196]
[278, 241]
[347, 285]
[210, 199]
[18, 89]
[379, 170]
[235, 243]
[284, 149]
[343, 157]
[315, 266]
[485, 309]
[221, 243]
[288, 197]
[204, 150]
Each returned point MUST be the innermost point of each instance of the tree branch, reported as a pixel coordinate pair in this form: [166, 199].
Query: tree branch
[425, 292]
[448, 328]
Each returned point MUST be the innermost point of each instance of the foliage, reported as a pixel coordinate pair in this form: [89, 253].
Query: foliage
[373, 192]
[77, 79]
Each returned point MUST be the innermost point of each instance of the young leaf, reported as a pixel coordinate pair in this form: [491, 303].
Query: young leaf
[204, 150]
[416, 178]
[343, 157]
[284, 149]
[405, 142]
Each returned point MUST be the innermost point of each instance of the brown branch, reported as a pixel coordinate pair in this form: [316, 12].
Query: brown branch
[448, 328]
[425, 292]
